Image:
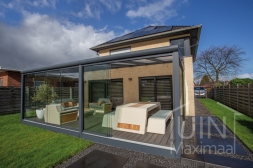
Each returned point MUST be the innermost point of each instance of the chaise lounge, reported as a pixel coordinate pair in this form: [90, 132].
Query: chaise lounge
[103, 105]
[61, 113]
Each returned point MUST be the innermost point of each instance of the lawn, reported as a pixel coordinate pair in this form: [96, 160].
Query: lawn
[26, 146]
[243, 123]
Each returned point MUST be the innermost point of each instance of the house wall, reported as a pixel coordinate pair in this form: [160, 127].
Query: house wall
[11, 78]
[189, 86]
[162, 42]
[130, 87]
[14, 79]
[4, 77]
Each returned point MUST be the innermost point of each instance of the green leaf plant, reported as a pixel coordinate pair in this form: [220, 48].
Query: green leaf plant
[44, 94]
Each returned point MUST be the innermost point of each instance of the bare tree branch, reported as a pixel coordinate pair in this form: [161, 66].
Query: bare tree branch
[219, 61]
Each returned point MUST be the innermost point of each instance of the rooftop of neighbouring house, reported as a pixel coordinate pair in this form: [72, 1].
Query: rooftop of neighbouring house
[150, 32]
[3, 69]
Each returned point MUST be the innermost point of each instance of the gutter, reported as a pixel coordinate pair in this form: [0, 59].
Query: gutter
[198, 38]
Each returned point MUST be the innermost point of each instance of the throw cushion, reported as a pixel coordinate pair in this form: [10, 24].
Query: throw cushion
[65, 104]
[100, 103]
[71, 104]
[74, 103]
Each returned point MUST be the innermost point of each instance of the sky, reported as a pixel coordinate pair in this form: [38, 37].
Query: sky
[45, 32]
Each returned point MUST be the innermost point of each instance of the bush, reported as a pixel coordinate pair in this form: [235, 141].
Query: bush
[243, 81]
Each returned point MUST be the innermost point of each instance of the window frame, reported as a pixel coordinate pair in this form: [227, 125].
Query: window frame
[120, 50]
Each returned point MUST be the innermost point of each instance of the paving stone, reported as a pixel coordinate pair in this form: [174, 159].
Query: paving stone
[207, 120]
[193, 160]
[214, 129]
[146, 165]
[98, 158]
[218, 144]
[211, 160]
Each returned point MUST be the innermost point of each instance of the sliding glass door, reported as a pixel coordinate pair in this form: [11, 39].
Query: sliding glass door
[157, 89]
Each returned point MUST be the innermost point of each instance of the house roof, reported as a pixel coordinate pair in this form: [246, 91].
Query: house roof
[149, 32]
[3, 69]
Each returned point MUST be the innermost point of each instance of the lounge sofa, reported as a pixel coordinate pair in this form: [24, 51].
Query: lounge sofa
[103, 105]
[60, 113]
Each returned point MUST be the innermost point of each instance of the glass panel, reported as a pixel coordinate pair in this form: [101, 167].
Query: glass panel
[147, 90]
[62, 108]
[97, 103]
[69, 98]
[164, 95]
[35, 96]
[52, 97]
[30, 105]
[116, 92]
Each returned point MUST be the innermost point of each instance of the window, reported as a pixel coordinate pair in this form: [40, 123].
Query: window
[1, 82]
[120, 50]
[157, 89]
[38, 83]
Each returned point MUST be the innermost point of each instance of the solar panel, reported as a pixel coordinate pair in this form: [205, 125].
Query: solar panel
[142, 32]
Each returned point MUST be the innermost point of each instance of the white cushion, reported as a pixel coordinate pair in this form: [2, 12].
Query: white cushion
[157, 122]
[108, 120]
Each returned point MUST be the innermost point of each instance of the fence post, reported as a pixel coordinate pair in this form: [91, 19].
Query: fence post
[249, 97]
[27, 99]
[237, 95]
[229, 104]
[223, 96]
[70, 92]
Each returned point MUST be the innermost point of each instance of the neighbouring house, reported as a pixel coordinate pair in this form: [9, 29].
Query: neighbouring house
[136, 94]
[10, 77]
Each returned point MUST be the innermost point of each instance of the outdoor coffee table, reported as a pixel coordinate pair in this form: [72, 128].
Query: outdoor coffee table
[132, 117]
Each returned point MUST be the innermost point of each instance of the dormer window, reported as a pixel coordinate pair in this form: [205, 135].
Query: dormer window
[120, 50]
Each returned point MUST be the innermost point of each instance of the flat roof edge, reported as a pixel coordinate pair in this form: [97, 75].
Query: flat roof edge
[103, 59]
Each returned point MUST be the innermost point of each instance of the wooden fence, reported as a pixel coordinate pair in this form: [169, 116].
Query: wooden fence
[10, 98]
[62, 92]
[239, 97]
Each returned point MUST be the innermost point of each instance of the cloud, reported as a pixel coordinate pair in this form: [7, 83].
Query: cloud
[2, 14]
[20, 4]
[93, 9]
[112, 5]
[158, 11]
[41, 41]
[245, 75]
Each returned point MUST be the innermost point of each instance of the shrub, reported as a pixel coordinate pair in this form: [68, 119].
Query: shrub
[241, 81]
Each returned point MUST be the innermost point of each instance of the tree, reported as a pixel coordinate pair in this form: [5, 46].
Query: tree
[204, 80]
[242, 81]
[218, 61]
[43, 94]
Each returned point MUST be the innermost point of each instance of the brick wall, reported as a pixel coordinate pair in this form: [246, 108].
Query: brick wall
[14, 79]
[4, 77]
[10, 78]
[130, 87]
[189, 86]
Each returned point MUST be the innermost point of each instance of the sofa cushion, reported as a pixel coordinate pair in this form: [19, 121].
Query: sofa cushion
[71, 104]
[65, 104]
[96, 106]
[62, 100]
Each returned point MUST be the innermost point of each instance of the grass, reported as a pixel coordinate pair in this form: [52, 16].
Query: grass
[243, 124]
[27, 146]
